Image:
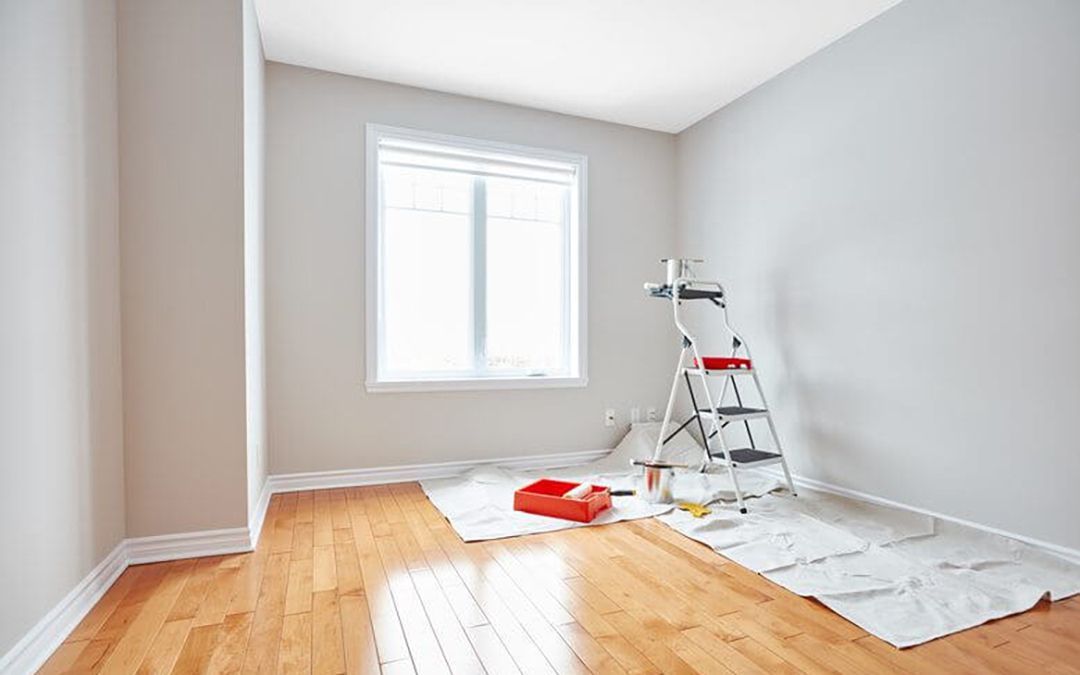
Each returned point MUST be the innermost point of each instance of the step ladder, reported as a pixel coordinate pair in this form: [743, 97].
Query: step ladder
[711, 415]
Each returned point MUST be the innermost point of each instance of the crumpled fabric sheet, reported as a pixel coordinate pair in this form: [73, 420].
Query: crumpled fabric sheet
[480, 504]
[901, 576]
[780, 530]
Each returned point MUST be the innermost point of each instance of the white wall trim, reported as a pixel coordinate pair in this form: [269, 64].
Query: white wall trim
[317, 480]
[256, 520]
[41, 641]
[1057, 549]
[188, 545]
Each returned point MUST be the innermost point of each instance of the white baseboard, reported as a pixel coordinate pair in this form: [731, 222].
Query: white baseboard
[1071, 554]
[319, 480]
[188, 545]
[257, 519]
[41, 641]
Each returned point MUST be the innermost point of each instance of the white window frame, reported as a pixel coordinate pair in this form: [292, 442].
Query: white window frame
[578, 333]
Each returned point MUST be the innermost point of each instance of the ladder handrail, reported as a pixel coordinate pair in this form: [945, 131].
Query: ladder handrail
[676, 300]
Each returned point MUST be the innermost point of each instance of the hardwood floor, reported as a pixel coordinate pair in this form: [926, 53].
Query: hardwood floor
[370, 580]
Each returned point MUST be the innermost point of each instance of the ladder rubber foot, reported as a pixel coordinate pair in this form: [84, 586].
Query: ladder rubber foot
[742, 510]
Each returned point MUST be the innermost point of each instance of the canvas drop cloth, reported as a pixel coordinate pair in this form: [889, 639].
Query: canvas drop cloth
[899, 575]
[480, 503]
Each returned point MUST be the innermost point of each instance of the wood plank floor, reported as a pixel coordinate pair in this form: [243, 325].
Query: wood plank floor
[373, 580]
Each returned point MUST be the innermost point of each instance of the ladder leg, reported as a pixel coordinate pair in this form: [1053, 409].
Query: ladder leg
[697, 413]
[775, 436]
[714, 430]
[731, 472]
[670, 406]
[787, 475]
[700, 370]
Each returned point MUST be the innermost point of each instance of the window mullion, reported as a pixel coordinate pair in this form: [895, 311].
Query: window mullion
[566, 276]
[479, 274]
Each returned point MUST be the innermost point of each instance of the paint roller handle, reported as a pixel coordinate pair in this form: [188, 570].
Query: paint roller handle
[656, 464]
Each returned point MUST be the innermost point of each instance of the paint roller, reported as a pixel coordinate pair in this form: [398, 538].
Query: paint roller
[583, 490]
[578, 492]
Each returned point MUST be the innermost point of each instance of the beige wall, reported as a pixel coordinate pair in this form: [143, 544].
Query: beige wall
[896, 219]
[61, 451]
[182, 245]
[320, 416]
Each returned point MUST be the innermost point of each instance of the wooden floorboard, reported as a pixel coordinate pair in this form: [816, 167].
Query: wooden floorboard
[373, 580]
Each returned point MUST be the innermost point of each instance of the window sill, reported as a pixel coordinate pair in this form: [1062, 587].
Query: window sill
[475, 384]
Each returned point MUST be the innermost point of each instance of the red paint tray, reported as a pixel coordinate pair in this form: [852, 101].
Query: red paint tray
[545, 498]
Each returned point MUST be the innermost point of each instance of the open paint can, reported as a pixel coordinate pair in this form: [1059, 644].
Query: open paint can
[678, 268]
[656, 480]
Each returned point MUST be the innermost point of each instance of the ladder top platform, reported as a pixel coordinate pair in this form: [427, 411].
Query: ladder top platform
[665, 291]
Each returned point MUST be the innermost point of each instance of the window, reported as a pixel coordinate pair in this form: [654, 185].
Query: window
[475, 255]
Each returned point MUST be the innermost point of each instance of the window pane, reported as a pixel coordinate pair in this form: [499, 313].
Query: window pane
[474, 259]
[526, 276]
[426, 272]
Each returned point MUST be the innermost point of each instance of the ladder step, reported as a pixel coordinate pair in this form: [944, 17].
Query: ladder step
[722, 362]
[719, 373]
[747, 457]
[735, 413]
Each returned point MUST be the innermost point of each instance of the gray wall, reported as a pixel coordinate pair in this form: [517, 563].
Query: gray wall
[897, 220]
[182, 245]
[320, 416]
[61, 439]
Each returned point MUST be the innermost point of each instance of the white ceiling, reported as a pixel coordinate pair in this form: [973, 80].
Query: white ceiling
[657, 64]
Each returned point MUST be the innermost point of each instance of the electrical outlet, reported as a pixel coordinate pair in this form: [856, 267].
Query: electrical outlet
[609, 417]
[651, 415]
[635, 415]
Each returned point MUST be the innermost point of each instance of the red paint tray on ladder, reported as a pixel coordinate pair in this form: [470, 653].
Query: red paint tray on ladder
[545, 498]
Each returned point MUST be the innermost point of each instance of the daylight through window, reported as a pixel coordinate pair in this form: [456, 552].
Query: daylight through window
[477, 259]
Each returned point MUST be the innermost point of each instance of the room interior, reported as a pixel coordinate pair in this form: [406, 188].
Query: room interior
[300, 298]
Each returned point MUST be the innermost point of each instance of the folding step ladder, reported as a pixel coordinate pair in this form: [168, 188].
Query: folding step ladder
[680, 287]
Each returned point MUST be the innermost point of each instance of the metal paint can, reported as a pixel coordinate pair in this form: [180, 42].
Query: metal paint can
[656, 484]
[675, 268]
[678, 268]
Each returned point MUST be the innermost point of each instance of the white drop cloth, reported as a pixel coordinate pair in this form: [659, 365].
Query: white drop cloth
[899, 575]
[780, 530]
[480, 503]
